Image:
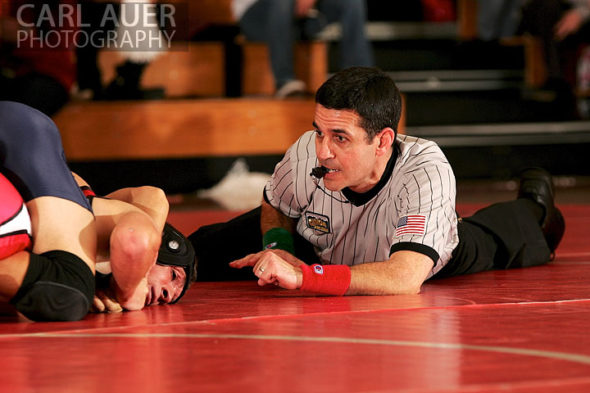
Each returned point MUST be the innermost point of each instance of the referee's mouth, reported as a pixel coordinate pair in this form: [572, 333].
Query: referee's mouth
[330, 170]
[327, 169]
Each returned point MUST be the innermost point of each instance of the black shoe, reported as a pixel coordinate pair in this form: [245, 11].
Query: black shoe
[553, 230]
[536, 184]
[126, 85]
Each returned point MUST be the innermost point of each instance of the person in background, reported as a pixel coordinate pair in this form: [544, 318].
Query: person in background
[498, 18]
[141, 259]
[126, 84]
[33, 72]
[279, 23]
[562, 26]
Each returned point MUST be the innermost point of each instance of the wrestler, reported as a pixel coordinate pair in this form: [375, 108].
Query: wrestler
[149, 262]
[54, 280]
[141, 259]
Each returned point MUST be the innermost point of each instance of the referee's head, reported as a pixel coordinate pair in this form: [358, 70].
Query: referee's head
[368, 91]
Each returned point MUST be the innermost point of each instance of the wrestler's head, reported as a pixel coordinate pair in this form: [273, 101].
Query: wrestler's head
[174, 271]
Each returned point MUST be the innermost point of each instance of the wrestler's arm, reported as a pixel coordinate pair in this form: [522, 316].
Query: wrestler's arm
[151, 200]
[129, 227]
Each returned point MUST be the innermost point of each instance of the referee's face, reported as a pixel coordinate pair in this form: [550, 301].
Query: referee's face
[342, 147]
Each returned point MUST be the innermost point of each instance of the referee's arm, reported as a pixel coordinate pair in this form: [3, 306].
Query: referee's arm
[403, 273]
[272, 218]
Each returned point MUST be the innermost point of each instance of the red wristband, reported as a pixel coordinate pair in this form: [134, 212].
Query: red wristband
[327, 280]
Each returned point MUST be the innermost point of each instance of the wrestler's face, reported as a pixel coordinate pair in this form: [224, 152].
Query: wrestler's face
[165, 284]
[342, 147]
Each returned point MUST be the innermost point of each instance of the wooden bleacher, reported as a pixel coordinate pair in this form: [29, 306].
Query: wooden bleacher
[190, 69]
[311, 66]
[198, 68]
[211, 127]
[178, 129]
[102, 131]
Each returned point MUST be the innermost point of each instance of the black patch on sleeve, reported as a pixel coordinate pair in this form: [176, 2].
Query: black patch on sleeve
[416, 247]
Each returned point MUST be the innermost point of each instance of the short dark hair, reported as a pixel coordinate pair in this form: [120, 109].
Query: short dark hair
[370, 92]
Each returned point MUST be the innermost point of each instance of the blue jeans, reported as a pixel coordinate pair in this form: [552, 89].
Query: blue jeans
[274, 22]
[497, 18]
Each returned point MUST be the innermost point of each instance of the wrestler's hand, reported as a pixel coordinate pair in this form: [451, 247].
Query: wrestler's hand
[271, 268]
[136, 300]
[104, 301]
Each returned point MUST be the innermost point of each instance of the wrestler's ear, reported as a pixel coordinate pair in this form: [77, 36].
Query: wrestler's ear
[385, 140]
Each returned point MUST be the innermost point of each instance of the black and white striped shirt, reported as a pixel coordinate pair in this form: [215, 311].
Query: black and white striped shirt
[411, 208]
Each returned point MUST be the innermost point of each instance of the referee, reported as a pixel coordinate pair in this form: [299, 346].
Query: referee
[355, 209]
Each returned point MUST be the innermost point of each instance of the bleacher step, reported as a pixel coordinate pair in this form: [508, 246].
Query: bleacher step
[457, 80]
[181, 128]
[511, 134]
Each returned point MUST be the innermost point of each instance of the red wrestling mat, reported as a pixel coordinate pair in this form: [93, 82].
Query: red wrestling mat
[520, 331]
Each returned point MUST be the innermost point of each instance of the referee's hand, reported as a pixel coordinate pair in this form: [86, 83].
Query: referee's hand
[275, 267]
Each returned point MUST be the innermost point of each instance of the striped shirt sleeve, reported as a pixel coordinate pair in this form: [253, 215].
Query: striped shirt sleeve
[286, 189]
[426, 209]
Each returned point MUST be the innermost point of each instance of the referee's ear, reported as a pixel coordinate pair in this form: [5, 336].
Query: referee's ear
[385, 141]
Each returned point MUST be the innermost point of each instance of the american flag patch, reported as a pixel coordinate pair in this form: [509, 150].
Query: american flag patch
[411, 225]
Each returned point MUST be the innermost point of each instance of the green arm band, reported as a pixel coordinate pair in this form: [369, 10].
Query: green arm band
[278, 238]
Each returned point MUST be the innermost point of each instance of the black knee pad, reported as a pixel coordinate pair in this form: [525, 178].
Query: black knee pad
[58, 286]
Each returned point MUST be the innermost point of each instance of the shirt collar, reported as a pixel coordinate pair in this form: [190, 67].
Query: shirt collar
[359, 199]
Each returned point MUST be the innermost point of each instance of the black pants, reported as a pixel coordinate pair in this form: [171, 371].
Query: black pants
[218, 244]
[501, 236]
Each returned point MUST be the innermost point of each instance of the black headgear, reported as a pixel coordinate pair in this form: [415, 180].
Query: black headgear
[177, 250]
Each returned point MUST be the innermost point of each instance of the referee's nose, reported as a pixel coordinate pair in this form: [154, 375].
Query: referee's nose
[323, 149]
